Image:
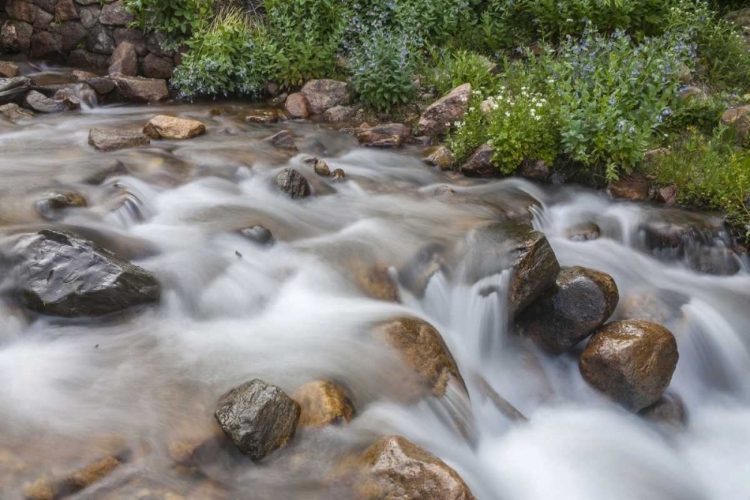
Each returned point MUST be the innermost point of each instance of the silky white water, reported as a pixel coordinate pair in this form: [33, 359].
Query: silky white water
[233, 311]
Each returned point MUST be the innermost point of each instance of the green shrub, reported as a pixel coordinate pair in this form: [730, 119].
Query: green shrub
[383, 70]
[613, 94]
[225, 57]
[174, 18]
[708, 172]
[472, 131]
[448, 69]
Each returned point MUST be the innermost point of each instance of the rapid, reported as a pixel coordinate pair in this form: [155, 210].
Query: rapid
[233, 310]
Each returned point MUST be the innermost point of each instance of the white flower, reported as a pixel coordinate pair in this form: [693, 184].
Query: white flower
[507, 114]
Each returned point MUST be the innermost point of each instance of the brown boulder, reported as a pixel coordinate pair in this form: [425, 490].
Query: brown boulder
[84, 59]
[323, 403]
[738, 119]
[8, 69]
[536, 170]
[630, 361]
[296, 106]
[65, 10]
[666, 195]
[325, 94]
[579, 302]
[45, 44]
[374, 280]
[480, 164]
[258, 417]
[115, 14]
[516, 246]
[633, 187]
[422, 348]
[157, 67]
[15, 36]
[124, 60]
[81, 76]
[293, 183]
[389, 135]
[141, 89]
[171, 127]
[440, 157]
[115, 139]
[50, 489]
[134, 36]
[394, 468]
[440, 115]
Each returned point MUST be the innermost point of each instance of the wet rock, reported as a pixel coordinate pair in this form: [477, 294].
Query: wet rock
[279, 100]
[258, 234]
[115, 14]
[739, 120]
[374, 280]
[45, 488]
[53, 202]
[8, 69]
[440, 116]
[283, 140]
[296, 106]
[321, 168]
[114, 169]
[439, 156]
[579, 302]
[480, 164]
[669, 411]
[68, 98]
[390, 135]
[338, 114]
[630, 361]
[323, 403]
[338, 174]
[666, 195]
[42, 104]
[14, 113]
[395, 468]
[325, 94]
[717, 261]
[141, 89]
[258, 417]
[417, 272]
[444, 191]
[173, 128]
[15, 36]
[633, 187]
[124, 60]
[111, 139]
[262, 116]
[515, 246]
[82, 76]
[102, 84]
[536, 170]
[293, 183]
[422, 348]
[13, 89]
[133, 36]
[585, 231]
[62, 275]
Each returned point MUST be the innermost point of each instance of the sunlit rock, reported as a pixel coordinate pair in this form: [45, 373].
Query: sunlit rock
[439, 156]
[171, 127]
[630, 361]
[324, 94]
[323, 403]
[258, 417]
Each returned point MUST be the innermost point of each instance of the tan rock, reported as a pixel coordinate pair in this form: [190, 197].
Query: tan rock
[296, 106]
[321, 168]
[375, 281]
[422, 348]
[439, 156]
[388, 135]
[633, 187]
[323, 403]
[93, 473]
[630, 361]
[170, 127]
[325, 94]
[8, 69]
[440, 116]
[116, 139]
[262, 116]
[41, 489]
[739, 120]
[394, 468]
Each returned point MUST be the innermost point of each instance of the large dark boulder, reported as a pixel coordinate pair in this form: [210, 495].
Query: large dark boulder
[579, 302]
[293, 183]
[395, 468]
[62, 275]
[630, 361]
[258, 417]
[517, 247]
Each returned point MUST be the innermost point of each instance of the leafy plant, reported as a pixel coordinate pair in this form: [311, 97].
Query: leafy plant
[174, 18]
[471, 132]
[453, 68]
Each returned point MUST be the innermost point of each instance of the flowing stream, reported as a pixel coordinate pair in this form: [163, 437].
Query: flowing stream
[233, 310]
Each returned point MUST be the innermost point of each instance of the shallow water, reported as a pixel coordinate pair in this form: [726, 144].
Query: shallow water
[289, 313]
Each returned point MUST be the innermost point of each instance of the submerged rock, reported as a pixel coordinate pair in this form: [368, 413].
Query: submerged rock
[46, 488]
[439, 156]
[258, 417]
[630, 361]
[422, 348]
[395, 468]
[669, 411]
[171, 127]
[417, 272]
[389, 135]
[579, 302]
[321, 168]
[283, 140]
[51, 203]
[258, 234]
[62, 275]
[14, 112]
[293, 183]
[515, 246]
[440, 116]
[111, 139]
[633, 187]
[585, 231]
[323, 403]
[262, 116]
[324, 94]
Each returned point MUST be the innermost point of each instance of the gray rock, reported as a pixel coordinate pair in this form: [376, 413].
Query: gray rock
[101, 84]
[15, 36]
[579, 302]
[134, 36]
[325, 94]
[13, 89]
[388, 135]
[115, 14]
[293, 183]
[13, 112]
[42, 104]
[100, 41]
[155, 43]
[115, 139]
[124, 60]
[440, 116]
[340, 113]
[141, 89]
[71, 34]
[90, 16]
[258, 417]
[62, 275]
[157, 67]
[258, 234]
[45, 44]
[283, 140]
[480, 164]
[84, 59]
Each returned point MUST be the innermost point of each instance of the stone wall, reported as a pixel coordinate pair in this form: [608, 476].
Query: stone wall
[91, 34]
